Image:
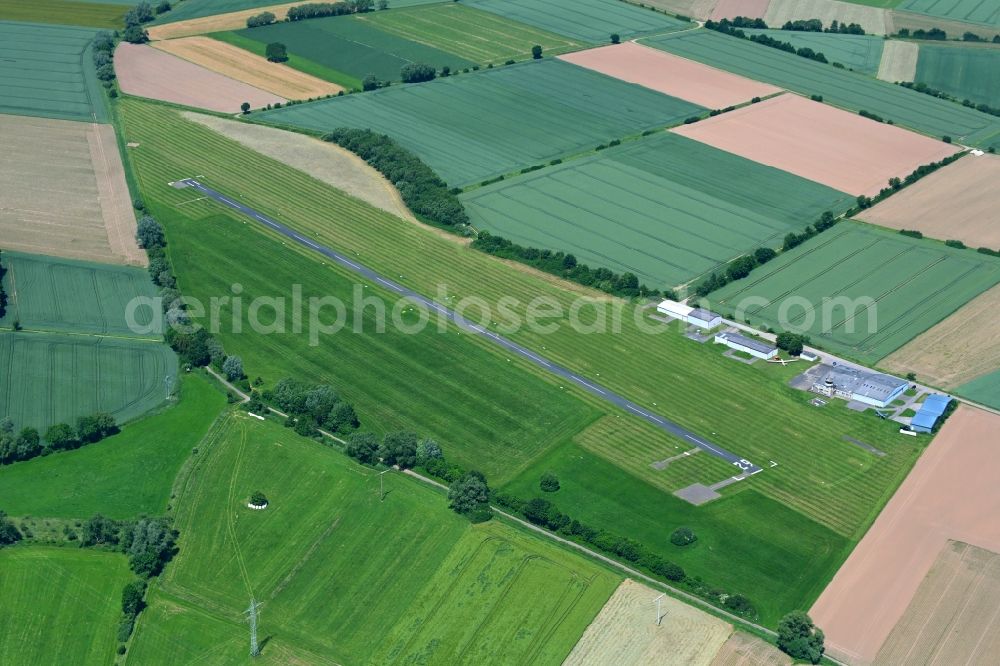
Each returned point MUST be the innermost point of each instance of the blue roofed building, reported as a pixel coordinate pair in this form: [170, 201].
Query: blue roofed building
[930, 411]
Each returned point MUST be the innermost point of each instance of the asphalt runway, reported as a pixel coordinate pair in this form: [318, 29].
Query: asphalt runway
[745, 466]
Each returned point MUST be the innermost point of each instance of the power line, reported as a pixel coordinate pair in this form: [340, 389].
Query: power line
[252, 614]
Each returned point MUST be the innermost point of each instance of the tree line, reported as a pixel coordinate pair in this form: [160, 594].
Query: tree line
[934, 92]
[27, 443]
[937, 34]
[896, 184]
[309, 407]
[732, 28]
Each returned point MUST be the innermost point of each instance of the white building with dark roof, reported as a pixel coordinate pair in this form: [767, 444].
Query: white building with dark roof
[699, 317]
[756, 348]
[870, 388]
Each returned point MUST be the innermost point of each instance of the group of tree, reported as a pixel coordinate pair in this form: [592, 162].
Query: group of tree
[313, 10]
[793, 343]
[733, 27]
[9, 534]
[309, 407]
[103, 55]
[139, 15]
[258, 20]
[565, 265]
[3, 294]
[417, 72]
[736, 269]
[421, 189]
[27, 443]
[401, 449]
[936, 34]
[469, 495]
[276, 52]
[800, 638]
[896, 184]
[816, 25]
[934, 92]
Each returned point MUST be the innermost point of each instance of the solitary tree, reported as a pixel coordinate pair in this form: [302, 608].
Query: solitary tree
[683, 536]
[258, 498]
[245, 107]
[276, 52]
[549, 482]
[536, 52]
[800, 638]
[615, 38]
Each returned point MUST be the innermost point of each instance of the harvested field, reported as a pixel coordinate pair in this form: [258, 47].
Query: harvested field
[848, 90]
[957, 202]
[746, 650]
[872, 19]
[819, 142]
[625, 632]
[470, 128]
[697, 9]
[200, 25]
[147, 72]
[671, 75]
[65, 191]
[869, 291]
[957, 350]
[952, 493]
[249, 68]
[48, 72]
[733, 8]
[862, 53]
[322, 160]
[971, 11]
[899, 61]
[953, 617]
[971, 72]
[584, 20]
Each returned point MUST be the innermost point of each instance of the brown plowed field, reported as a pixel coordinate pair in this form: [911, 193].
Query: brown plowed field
[147, 72]
[953, 492]
[960, 201]
[746, 650]
[956, 350]
[733, 8]
[64, 191]
[954, 617]
[217, 23]
[247, 67]
[625, 632]
[671, 74]
[819, 142]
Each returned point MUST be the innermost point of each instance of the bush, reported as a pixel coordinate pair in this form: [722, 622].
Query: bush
[549, 482]
[536, 52]
[683, 536]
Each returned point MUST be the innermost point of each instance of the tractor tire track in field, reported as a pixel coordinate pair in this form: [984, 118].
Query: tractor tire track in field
[746, 467]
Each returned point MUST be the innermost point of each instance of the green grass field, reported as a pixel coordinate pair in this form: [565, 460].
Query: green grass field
[124, 476]
[48, 378]
[585, 20]
[475, 35]
[435, 588]
[748, 409]
[665, 208]
[59, 605]
[477, 126]
[65, 295]
[354, 47]
[49, 72]
[849, 90]
[899, 287]
[985, 389]
[862, 53]
[974, 11]
[966, 73]
[66, 12]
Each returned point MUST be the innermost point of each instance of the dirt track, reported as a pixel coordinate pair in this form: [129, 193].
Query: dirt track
[625, 632]
[671, 74]
[956, 350]
[958, 202]
[247, 67]
[819, 142]
[217, 23]
[148, 72]
[64, 191]
[952, 493]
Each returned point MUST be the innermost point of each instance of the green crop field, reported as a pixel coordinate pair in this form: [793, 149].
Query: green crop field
[435, 588]
[48, 378]
[354, 47]
[849, 90]
[898, 288]
[49, 72]
[665, 208]
[65, 295]
[192, 9]
[966, 73]
[475, 35]
[66, 12]
[862, 53]
[818, 476]
[123, 476]
[985, 389]
[477, 126]
[974, 11]
[586, 20]
[59, 605]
